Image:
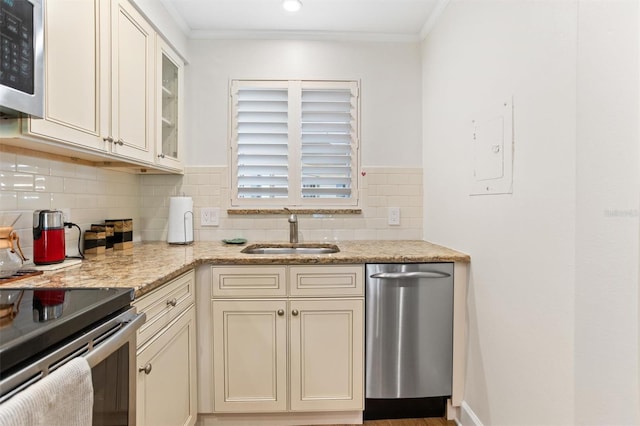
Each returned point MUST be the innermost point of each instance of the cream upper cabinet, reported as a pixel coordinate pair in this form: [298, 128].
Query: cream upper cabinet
[77, 72]
[169, 107]
[132, 83]
[276, 349]
[105, 100]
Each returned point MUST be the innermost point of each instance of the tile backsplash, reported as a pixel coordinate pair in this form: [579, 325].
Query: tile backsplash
[381, 188]
[31, 181]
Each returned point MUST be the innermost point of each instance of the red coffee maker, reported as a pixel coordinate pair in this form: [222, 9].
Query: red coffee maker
[48, 237]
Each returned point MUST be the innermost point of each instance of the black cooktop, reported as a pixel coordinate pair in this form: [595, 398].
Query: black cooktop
[36, 320]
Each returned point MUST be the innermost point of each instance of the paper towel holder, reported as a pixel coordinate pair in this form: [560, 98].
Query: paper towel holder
[180, 234]
[185, 229]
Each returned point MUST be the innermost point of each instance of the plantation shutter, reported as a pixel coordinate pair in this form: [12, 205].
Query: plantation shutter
[261, 136]
[327, 140]
[294, 142]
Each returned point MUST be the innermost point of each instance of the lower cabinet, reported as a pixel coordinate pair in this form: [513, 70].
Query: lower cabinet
[326, 355]
[254, 341]
[166, 356]
[273, 352]
[249, 355]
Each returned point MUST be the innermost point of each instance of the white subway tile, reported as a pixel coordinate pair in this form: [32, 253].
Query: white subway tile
[8, 201]
[7, 161]
[61, 168]
[74, 186]
[33, 201]
[64, 201]
[44, 183]
[16, 181]
[32, 165]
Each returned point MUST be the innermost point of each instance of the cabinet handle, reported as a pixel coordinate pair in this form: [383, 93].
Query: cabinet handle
[147, 368]
[160, 155]
[281, 312]
[119, 142]
[108, 139]
[295, 312]
[172, 302]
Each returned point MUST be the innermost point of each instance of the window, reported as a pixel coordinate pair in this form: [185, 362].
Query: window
[294, 143]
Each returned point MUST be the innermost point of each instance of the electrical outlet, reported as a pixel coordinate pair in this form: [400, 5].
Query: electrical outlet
[394, 215]
[210, 216]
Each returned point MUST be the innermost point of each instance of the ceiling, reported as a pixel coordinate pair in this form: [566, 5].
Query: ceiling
[393, 20]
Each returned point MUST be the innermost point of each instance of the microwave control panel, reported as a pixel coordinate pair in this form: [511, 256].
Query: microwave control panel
[16, 45]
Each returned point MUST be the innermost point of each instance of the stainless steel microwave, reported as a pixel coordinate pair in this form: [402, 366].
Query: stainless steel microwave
[21, 58]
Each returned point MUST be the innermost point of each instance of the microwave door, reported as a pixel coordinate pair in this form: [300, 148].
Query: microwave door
[21, 58]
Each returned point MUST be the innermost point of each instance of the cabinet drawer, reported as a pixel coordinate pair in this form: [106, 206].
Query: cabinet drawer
[165, 304]
[329, 281]
[248, 281]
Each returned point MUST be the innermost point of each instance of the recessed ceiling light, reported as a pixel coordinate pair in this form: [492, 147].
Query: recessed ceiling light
[291, 5]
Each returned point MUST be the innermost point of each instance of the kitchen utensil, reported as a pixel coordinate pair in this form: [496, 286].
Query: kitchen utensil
[48, 237]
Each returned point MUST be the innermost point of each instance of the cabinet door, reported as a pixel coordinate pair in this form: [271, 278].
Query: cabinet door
[132, 83]
[166, 394]
[326, 350]
[169, 106]
[77, 73]
[249, 355]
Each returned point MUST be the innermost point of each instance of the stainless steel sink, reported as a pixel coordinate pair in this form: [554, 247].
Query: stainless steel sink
[291, 249]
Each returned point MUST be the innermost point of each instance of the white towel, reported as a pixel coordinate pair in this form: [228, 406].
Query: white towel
[62, 398]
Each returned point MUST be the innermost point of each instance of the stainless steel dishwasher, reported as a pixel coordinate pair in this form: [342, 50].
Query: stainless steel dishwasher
[409, 339]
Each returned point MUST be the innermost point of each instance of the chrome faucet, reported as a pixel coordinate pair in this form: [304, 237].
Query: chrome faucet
[293, 226]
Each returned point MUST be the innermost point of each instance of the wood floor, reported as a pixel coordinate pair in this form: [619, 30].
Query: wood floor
[432, 421]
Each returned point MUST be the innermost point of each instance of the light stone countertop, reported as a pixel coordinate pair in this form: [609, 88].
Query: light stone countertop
[149, 265]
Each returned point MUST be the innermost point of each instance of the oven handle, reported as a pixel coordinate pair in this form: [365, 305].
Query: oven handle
[106, 348]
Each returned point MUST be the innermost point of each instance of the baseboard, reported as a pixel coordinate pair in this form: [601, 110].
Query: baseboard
[281, 419]
[467, 416]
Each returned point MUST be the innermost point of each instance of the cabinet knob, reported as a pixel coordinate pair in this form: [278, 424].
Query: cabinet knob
[108, 139]
[172, 302]
[295, 312]
[160, 155]
[147, 368]
[281, 312]
[119, 142]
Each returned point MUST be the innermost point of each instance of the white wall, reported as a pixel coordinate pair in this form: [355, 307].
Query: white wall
[390, 91]
[391, 142]
[607, 214]
[521, 296]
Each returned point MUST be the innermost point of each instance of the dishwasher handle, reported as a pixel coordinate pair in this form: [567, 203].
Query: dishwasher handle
[409, 275]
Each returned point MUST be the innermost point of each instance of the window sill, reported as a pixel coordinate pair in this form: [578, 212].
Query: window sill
[245, 212]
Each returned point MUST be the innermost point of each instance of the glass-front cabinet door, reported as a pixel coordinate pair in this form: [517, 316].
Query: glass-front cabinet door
[170, 101]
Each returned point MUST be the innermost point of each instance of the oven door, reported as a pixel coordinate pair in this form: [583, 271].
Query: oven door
[110, 350]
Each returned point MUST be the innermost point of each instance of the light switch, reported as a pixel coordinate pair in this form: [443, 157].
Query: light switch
[210, 216]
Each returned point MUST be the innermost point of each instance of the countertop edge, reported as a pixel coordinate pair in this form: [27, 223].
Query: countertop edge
[149, 265]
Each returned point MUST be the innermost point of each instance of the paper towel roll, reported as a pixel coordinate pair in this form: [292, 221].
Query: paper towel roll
[180, 220]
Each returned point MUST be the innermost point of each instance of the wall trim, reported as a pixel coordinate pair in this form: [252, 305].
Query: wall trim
[467, 416]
